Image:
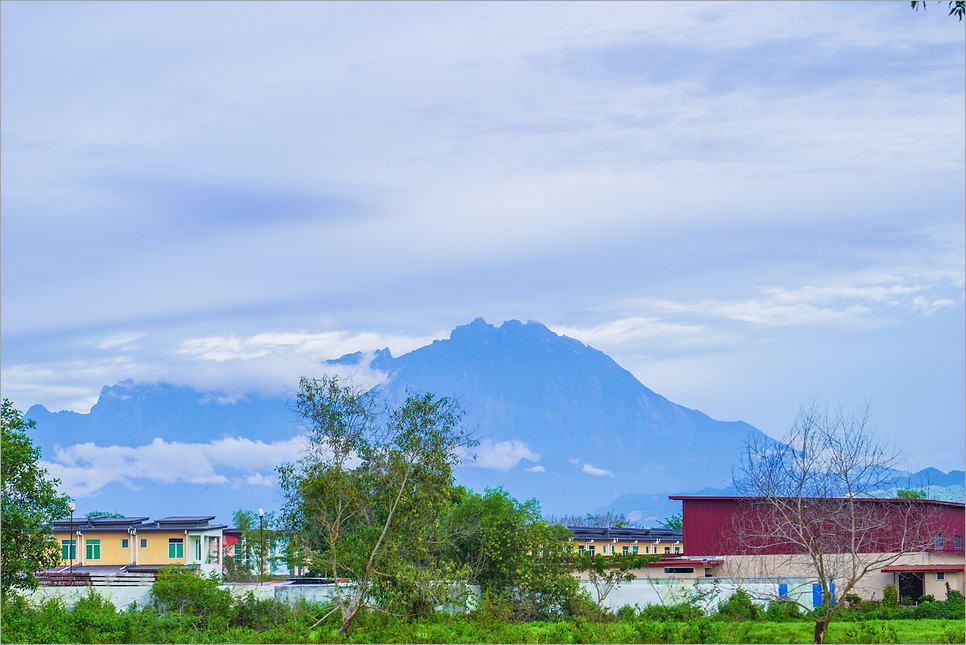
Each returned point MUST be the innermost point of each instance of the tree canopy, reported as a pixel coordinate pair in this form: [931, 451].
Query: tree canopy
[30, 503]
[364, 503]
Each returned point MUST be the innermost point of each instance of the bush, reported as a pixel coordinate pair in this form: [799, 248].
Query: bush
[927, 598]
[738, 607]
[185, 592]
[890, 597]
[782, 611]
[930, 610]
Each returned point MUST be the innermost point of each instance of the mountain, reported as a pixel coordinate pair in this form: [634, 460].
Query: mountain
[590, 425]
[129, 414]
[557, 420]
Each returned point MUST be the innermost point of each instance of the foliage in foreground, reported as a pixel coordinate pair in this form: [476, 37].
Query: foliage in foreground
[189, 608]
[30, 503]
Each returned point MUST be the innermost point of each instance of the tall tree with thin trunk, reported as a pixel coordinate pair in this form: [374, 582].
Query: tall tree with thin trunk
[364, 502]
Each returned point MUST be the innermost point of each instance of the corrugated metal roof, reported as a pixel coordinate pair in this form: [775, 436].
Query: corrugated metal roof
[924, 568]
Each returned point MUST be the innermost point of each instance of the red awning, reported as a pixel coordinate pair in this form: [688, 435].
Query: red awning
[924, 568]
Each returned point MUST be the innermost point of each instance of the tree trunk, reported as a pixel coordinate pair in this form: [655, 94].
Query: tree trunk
[820, 627]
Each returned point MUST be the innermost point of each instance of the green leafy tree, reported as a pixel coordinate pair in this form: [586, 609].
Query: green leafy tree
[676, 521]
[910, 493]
[93, 514]
[260, 540]
[364, 503]
[30, 503]
[956, 7]
[516, 556]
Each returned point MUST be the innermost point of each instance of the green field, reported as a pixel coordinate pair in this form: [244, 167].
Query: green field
[93, 620]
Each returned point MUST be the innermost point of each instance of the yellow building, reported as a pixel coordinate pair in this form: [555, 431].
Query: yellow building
[117, 541]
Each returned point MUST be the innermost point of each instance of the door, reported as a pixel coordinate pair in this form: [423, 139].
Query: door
[910, 586]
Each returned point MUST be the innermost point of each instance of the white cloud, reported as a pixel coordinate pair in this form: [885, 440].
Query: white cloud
[85, 468]
[929, 308]
[503, 455]
[536, 469]
[590, 470]
[575, 462]
[259, 479]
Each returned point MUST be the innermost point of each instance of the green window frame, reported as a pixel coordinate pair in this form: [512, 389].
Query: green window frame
[580, 550]
[677, 549]
[634, 551]
[68, 549]
[667, 549]
[591, 547]
[176, 548]
[625, 550]
[93, 548]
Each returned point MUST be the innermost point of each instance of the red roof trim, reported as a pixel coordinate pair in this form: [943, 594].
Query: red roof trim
[924, 568]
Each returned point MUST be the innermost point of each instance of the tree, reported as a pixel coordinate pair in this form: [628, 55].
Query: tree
[910, 493]
[254, 543]
[516, 557]
[811, 504]
[30, 503]
[956, 7]
[606, 573]
[364, 502]
[676, 522]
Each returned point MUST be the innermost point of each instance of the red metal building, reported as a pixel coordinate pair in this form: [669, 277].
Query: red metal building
[721, 525]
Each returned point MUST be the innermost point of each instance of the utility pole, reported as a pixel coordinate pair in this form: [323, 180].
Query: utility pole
[261, 545]
[70, 545]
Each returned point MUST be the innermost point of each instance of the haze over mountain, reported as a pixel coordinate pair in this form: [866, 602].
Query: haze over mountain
[557, 420]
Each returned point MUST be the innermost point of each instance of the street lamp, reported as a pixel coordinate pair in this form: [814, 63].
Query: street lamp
[261, 545]
[70, 545]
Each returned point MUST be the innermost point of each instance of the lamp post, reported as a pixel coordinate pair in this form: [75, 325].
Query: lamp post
[70, 545]
[261, 545]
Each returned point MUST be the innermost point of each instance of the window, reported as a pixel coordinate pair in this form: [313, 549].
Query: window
[144, 543]
[175, 548]
[198, 549]
[591, 547]
[647, 549]
[667, 549]
[625, 550]
[939, 541]
[68, 549]
[580, 550]
[677, 549]
[958, 541]
[603, 549]
[125, 543]
[940, 576]
[678, 569]
[93, 549]
[635, 550]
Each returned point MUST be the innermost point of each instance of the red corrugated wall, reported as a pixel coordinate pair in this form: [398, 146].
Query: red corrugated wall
[712, 527]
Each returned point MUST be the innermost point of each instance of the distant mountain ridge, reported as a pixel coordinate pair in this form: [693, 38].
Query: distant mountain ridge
[558, 421]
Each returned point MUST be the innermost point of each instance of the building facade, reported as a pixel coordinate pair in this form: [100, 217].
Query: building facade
[119, 541]
[916, 545]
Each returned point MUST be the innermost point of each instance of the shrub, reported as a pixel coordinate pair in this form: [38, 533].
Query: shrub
[927, 598]
[738, 607]
[853, 599]
[782, 611]
[185, 592]
[626, 613]
[930, 610]
[890, 597]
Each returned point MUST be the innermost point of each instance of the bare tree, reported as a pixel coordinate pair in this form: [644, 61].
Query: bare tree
[810, 506]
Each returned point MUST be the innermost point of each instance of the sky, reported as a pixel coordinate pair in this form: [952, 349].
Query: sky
[749, 206]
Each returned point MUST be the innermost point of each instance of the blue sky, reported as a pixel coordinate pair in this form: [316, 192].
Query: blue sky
[746, 205]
